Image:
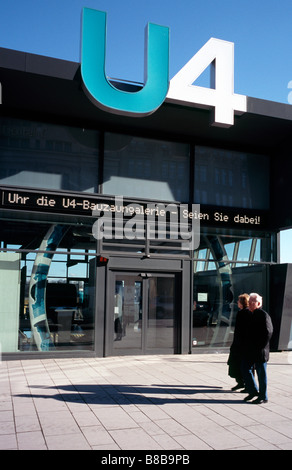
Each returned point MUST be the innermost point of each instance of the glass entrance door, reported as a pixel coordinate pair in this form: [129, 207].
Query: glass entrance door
[145, 313]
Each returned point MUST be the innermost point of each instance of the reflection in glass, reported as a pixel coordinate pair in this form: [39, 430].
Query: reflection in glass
[127, 315]
[161, 313]
[76, 269]
[43, 155]
[47, 308]
[257, 253]
[230, 178]
[244, 250]
[216, 288]
[146, 168]
[229, 248]
[139, 323]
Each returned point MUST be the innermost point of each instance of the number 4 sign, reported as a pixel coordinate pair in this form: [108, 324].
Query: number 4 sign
[220, 55]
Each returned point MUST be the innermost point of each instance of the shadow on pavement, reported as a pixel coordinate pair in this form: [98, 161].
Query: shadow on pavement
[135, 394]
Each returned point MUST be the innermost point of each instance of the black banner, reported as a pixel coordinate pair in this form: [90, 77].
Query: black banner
[95, 206]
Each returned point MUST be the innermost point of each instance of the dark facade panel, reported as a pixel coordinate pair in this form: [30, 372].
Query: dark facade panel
[40, 65]
[281, 190]
[49, 87]
[281, 306]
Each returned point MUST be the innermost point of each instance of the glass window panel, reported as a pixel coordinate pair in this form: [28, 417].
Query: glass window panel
[29, 266]
[215, 301]
[60, 256]
[30, 256]
[244, 250]
[202, 254]
[78, 270]
[145, 168]
[48, 156]
[257, 254]
[211, 265]
[200, 266]
[161, 313]
[66, 309]
[229, 248]
[217, 287]
[231, 171]
[76, 256]
[57, 269]
[127, 313]
[91, 256]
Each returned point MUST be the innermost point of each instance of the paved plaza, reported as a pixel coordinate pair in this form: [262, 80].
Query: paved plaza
[153, 403]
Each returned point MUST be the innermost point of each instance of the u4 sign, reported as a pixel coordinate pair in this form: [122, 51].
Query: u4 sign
[157, 87]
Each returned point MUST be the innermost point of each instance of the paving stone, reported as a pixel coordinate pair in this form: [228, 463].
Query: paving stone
[140, 403]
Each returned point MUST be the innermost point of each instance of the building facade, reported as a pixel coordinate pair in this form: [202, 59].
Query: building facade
[85, 269]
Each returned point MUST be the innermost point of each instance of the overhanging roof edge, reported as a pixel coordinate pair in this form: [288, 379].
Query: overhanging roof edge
[64, 69]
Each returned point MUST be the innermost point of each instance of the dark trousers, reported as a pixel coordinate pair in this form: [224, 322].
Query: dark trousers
[249, 378]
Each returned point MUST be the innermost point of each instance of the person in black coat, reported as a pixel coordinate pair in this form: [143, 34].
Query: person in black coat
[256, 350]
[239, 339]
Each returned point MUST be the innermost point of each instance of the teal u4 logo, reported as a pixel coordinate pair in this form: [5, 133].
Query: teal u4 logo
[99, 89]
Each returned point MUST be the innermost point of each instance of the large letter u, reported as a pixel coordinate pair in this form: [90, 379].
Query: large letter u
[97, 86]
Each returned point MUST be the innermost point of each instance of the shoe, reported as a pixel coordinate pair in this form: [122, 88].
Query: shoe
[250, 396]
[243, 391]
[236, 387]
[259, 401]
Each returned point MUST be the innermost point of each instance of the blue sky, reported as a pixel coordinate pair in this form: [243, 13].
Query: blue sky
[260, 30]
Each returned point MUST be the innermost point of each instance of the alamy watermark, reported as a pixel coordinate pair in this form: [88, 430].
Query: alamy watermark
[154, 221]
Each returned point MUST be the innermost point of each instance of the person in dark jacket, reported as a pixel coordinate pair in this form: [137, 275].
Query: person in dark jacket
[239, 339]
[256, 350]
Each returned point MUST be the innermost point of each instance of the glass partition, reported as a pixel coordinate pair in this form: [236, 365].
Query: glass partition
[48, 294]
[145, 314]
[224, 268]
